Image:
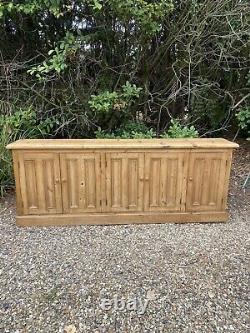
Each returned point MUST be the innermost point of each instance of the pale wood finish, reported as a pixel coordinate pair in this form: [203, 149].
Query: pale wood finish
[206, 181]
[124, 182]
[119, 218]
[40, 186]
[81, 182]
[164, 181]
[145, 182]
[121, 143]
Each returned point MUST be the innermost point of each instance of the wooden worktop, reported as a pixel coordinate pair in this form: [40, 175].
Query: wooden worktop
[121, 143]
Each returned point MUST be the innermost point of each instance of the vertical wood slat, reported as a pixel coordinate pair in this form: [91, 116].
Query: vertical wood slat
[16, 167]
[206, 182]
[228, 161]
[120, 182]
[39, 177]
[81, 182]
[165, 180]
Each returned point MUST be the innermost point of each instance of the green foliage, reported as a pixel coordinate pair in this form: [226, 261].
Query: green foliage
[31, 7]
[57, 61]
[113, 108]
[105, 102]
[131, 130]
[19, 125]
[243, 117]
[106, 63]
[148, 15]
[138, 130]
[176, 130]
[120, 101]
[209, 107]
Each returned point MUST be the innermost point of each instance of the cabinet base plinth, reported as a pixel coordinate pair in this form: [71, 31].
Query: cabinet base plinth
[119, 218]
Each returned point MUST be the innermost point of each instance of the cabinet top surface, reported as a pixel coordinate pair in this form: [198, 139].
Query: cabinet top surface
[45, 144]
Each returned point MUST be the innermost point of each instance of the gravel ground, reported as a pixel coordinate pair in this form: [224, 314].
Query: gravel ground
[194, 277]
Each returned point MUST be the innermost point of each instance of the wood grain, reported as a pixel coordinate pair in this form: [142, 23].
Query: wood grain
[119, 218]
[121, 181]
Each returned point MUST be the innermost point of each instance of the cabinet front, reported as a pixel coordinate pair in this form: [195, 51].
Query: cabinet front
[165, 181]
[124, 176]
[207, 181]
[81, 182]
[39, 177]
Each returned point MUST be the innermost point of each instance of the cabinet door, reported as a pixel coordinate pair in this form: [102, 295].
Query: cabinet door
[206, 181]
[124, 182]
[40, 183]
[81, 182]
[165, 181]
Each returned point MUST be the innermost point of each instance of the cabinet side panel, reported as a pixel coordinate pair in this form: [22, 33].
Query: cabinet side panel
[16, 167]
[227, 178]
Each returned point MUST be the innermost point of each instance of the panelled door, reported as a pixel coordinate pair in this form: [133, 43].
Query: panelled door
[81, 182]
[165, 181]
[39, 176]
[206, 181]
[124, 176]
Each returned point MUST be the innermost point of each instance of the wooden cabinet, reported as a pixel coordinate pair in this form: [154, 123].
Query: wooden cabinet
[121, 181]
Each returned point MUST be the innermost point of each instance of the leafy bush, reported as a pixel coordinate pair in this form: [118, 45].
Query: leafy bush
[132, 130]
[114, 108]
[176, 130]
[115, 101]
[21, 124]
[243, 117]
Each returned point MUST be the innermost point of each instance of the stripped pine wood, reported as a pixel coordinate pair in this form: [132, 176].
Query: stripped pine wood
[37, 184]
[62, 182]
[81, 180]
[120, 218]
[165, 175]
[207, 177]
[124, 187]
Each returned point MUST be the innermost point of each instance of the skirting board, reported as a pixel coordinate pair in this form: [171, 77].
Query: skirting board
[125, 218]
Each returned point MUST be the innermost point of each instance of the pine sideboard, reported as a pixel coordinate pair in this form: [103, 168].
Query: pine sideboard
[111, 181]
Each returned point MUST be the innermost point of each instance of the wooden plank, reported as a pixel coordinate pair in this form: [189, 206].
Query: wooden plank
[39, 177]
[165, 181]
[128, 218]
[121, 143]
[16, 167]
[124, 181]
[206, 181]
[81, 182]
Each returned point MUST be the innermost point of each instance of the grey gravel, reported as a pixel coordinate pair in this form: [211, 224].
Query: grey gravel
[195, 276]
[56, 277]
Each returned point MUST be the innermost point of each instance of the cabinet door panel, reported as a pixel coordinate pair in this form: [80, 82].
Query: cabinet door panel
[165, 179]
[40, 183]
[124, 182]
[206, 181]
[81, 182]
